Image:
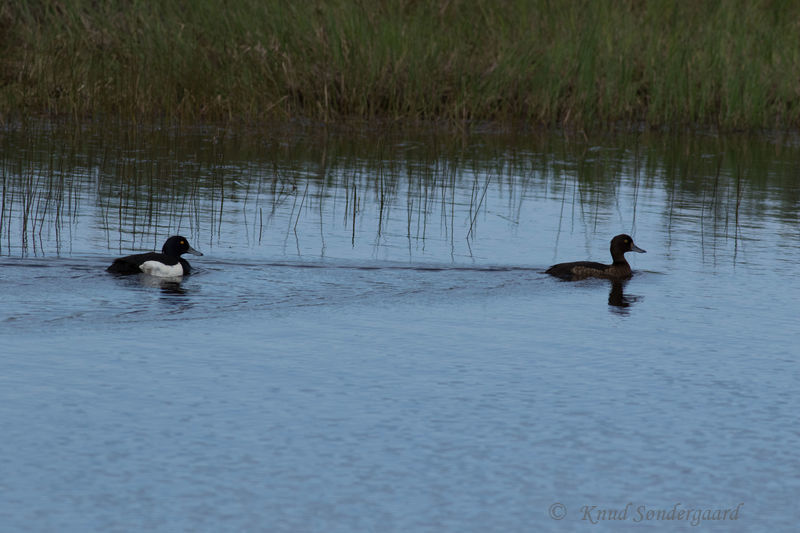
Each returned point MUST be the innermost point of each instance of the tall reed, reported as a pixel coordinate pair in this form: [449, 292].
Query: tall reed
[581, 63]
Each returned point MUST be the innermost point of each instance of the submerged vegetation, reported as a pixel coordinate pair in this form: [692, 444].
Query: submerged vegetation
[577, 64]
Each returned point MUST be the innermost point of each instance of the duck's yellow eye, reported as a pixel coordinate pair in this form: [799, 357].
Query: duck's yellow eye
[626, 241]
[182, 242]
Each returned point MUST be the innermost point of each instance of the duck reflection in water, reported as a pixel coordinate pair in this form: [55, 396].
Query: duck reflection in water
[170, 285]
[618, 299]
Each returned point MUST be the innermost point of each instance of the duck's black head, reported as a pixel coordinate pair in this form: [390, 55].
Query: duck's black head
[621, 244]
[176, 246]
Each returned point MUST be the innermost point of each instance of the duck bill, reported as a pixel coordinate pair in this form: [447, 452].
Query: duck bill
[635, 248]
[195, 252]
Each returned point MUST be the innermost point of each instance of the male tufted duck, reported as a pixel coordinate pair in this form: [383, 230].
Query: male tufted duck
[618, 270]
[166, 264]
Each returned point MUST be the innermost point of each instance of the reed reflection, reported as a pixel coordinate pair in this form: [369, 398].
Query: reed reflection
[372, 187]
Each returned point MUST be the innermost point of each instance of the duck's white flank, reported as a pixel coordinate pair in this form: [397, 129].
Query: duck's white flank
[154, 268]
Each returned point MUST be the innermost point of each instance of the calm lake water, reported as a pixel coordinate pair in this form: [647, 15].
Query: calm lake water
[370, 342]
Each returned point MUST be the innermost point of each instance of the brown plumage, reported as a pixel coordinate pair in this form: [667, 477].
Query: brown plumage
[619, 269]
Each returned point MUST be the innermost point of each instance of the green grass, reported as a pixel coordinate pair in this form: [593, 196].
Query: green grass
[732, 64]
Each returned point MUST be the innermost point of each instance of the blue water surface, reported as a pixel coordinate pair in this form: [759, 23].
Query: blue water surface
[305, 379]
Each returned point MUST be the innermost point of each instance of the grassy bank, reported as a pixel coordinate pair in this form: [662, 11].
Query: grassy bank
[583, 64]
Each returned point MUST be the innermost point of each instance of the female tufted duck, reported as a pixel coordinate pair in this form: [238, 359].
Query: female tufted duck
[618, 270]
[166, 264]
